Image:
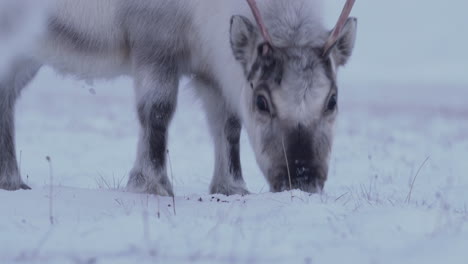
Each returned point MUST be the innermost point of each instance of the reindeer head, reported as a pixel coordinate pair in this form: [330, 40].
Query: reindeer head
[290, 107]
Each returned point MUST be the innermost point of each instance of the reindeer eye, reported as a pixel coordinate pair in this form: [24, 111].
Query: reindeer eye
[262, 104]
[332, 103]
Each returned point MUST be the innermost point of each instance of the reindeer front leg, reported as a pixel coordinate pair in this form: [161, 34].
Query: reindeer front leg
[227, 178]
[225, 130]
[156, 92]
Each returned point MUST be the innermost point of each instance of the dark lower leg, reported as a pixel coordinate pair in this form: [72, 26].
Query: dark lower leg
[150, 174]
[10, 178]
[156, 91]
[21, 72]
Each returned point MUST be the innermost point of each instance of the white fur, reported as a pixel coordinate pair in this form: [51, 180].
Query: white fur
[99, 19]
[157, 41]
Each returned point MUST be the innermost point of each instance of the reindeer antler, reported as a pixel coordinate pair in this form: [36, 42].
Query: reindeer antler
[260, 23]
[333, 36]
[339, 25]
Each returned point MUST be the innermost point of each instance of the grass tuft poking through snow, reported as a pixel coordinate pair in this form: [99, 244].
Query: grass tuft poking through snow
[116, 184]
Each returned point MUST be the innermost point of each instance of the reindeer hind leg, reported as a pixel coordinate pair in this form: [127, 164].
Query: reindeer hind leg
[20, 73]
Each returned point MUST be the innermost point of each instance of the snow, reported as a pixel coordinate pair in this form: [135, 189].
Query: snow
[398, 108]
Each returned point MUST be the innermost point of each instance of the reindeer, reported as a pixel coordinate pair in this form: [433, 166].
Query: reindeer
[270, 68]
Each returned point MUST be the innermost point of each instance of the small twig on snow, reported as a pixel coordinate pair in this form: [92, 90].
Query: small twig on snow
[51, 191]
[146, 233]
[159, 207]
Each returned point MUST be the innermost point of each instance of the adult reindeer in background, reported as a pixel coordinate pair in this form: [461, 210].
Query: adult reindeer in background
[275, 77]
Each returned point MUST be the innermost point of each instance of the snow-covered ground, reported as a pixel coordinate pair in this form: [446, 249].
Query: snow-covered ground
[404, 119]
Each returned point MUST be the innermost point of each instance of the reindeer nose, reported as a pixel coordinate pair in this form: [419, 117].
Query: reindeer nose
[300, 168]
[300, 171]
[300, 130]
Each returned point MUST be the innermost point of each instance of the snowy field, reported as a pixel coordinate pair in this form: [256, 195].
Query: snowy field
[398, 182]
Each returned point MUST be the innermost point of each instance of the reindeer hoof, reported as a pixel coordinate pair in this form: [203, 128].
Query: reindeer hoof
[229, 189]
[14, 186]
[24, 186]
[139, 184]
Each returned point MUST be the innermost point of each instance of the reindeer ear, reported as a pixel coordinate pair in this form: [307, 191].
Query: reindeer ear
[343, 47]
[243, 37]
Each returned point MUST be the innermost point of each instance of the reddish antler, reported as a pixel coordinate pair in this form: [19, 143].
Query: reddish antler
[333, 36]
[339, 25]
[260, 23]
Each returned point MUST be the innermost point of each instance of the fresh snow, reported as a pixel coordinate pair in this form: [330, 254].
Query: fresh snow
[395, 114]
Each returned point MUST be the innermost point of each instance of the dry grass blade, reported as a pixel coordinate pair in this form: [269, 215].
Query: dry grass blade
[287, 164]
[146, 231]
[103, 183]
[341, 196]
[19, 164]
[159, 207]
[172, 177]
[51, 191]
[408, 197]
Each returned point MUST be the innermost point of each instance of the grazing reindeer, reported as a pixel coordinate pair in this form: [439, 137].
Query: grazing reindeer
[276, 77]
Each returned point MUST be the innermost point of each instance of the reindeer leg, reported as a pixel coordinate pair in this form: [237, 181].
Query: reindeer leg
[156, 91]
[225, 129]
[11, 84]
[227, 178]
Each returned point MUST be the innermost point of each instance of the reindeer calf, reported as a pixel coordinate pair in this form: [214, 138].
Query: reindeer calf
[276, 77]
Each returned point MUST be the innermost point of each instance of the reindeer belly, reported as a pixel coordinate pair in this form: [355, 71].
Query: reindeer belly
[82, 38]
[81, 63]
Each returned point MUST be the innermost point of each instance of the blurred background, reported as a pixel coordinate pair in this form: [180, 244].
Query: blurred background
[422, 41]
